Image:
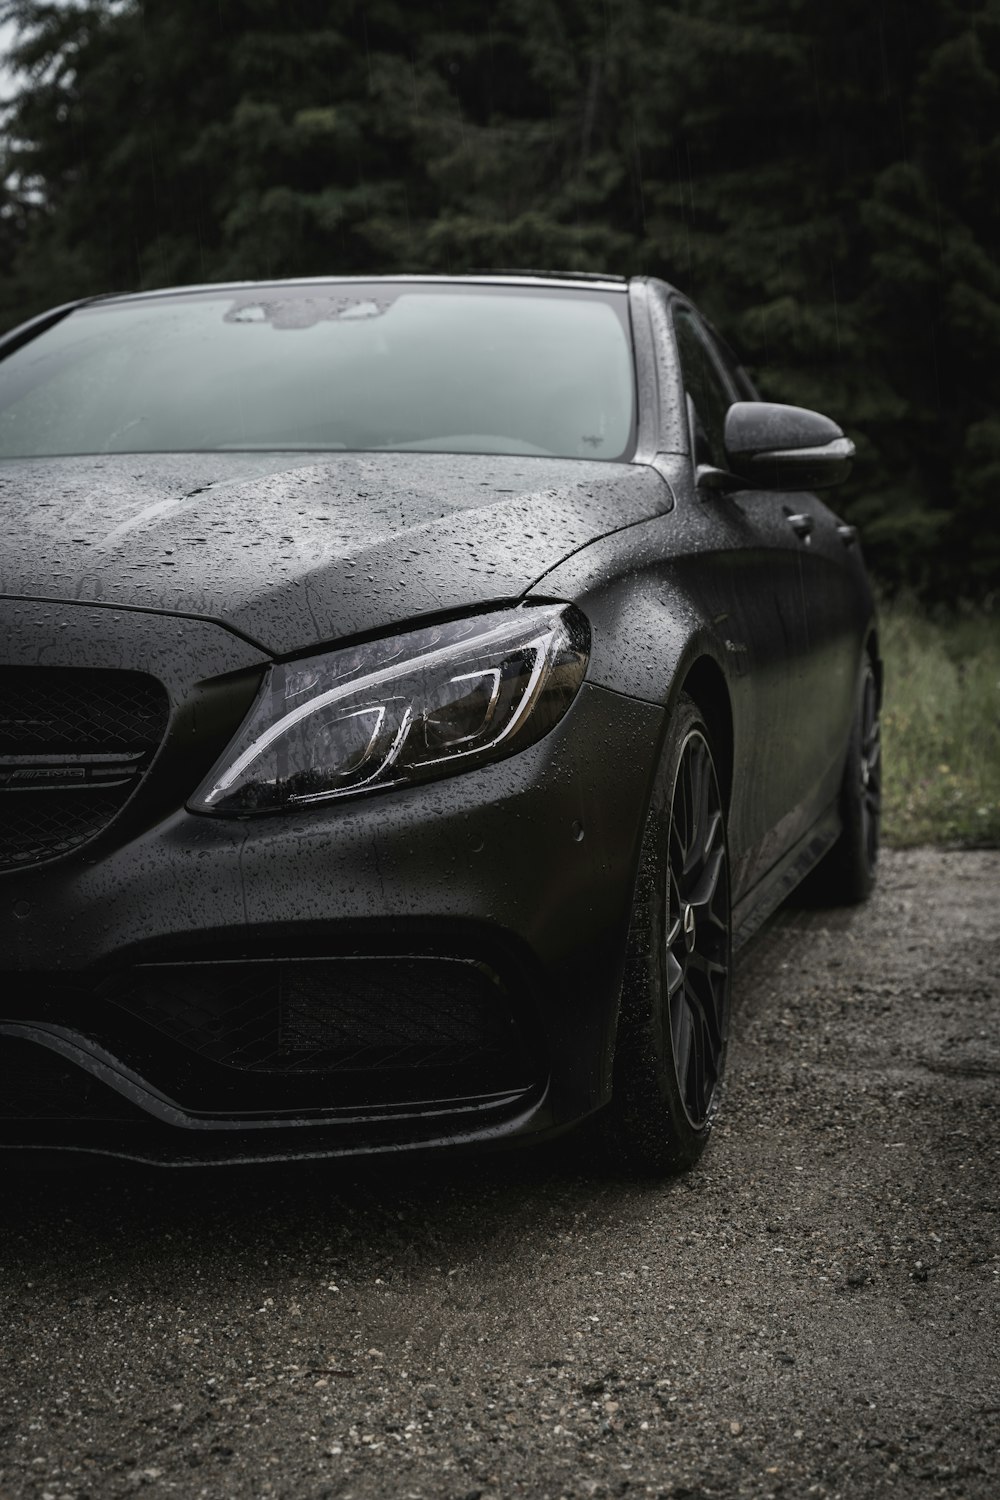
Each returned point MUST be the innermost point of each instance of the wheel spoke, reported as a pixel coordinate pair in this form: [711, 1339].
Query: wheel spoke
[708, 882]
[687, 791]
[697, 939]
[700, 791]
[708, 1004]
[702, 964]
[681, 1035]
[695, 1079]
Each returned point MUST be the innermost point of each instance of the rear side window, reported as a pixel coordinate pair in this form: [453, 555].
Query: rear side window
[477, 369]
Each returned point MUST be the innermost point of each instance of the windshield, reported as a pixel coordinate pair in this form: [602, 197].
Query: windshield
[459, 369]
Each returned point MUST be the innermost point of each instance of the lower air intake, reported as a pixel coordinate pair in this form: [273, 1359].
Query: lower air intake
[394, 1027]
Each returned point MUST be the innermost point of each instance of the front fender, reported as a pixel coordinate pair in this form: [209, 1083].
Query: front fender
[648, 627]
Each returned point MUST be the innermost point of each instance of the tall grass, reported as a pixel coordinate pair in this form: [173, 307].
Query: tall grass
[941, 726]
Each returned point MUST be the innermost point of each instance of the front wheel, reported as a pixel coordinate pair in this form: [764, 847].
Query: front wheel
[675, 998]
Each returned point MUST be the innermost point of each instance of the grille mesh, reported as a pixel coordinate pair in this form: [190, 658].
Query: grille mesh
[74, 744]
[337, 1016]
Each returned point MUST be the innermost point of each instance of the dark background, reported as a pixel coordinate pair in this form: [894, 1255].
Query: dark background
[823, 179]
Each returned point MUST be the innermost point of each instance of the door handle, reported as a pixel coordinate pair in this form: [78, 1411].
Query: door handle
[802, 525]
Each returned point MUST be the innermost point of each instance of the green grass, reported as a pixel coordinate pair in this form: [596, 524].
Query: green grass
[941, 727]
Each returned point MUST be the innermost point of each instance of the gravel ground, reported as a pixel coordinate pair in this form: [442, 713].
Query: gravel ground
[813, 1311]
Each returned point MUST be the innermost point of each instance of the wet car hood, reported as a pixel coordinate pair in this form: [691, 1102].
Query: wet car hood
[292, 550]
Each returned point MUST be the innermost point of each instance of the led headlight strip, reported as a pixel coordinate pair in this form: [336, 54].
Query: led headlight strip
[403, 708]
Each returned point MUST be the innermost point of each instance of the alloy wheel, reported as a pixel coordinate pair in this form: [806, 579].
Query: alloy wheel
[697, 935]
[870, 769]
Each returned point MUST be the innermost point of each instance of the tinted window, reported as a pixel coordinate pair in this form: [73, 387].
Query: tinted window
[480, 369]
[708, 397]
[737, 375]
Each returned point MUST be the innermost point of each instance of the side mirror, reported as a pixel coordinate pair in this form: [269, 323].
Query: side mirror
[775, 447]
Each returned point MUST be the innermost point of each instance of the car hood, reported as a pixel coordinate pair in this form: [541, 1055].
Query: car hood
[293, 550]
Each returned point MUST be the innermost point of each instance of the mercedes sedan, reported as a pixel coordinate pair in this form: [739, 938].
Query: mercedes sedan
[412, 692]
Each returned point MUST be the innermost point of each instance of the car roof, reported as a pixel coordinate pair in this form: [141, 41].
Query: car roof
[597, 281]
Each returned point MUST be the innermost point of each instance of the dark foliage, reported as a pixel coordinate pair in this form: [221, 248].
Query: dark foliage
[823, 179]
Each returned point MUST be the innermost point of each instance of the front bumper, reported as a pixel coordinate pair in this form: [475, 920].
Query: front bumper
[487, 912]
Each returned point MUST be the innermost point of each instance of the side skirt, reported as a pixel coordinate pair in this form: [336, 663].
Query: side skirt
[753, 909]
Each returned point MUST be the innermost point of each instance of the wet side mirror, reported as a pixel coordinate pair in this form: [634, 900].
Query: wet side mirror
[776, 447]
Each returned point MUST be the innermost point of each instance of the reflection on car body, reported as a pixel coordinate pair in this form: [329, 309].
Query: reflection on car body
[413, 690]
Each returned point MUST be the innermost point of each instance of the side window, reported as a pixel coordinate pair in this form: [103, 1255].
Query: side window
[738, 377]
[708, 397]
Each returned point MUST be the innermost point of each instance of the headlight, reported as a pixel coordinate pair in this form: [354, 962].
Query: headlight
[402, 709]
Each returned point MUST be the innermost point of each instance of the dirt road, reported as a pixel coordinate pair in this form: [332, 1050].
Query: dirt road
[814, 1311]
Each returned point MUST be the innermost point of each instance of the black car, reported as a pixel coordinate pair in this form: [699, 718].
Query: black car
[412, 692]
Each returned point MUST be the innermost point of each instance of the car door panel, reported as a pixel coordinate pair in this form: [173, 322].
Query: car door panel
[818, 593]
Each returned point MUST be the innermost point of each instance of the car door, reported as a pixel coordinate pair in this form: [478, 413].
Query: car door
[752, 575]
[825, 670]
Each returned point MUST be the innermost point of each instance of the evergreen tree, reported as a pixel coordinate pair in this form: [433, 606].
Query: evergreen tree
[821, 179]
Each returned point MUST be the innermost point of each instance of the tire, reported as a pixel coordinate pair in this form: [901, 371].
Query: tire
[847, 874]
[675, 998]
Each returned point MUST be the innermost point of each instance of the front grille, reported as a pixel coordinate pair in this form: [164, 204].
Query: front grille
[74, 745]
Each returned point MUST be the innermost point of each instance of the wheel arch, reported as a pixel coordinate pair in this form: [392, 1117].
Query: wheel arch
[705, 683]
[699, 677]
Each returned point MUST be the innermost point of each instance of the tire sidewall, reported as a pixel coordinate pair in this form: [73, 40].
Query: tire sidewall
[858, 868]
[648, 1093]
